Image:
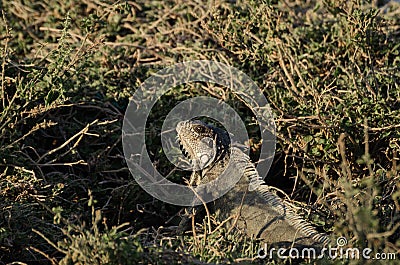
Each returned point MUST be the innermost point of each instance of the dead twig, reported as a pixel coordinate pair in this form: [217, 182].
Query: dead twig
[79, 134]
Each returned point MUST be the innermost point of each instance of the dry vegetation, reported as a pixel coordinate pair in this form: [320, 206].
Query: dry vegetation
[330, 70]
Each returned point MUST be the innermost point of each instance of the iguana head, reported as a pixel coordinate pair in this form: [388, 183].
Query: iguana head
[201, 143]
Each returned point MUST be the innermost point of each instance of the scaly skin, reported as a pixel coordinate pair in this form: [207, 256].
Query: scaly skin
[253, 208]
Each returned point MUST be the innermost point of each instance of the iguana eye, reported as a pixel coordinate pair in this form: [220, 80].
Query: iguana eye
[199, 129]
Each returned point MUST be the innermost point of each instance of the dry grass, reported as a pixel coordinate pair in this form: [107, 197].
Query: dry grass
[329, 69]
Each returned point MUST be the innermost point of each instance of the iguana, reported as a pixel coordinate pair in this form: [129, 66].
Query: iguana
[255, 209]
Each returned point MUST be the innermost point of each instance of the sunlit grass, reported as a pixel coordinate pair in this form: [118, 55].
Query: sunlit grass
[329, 69]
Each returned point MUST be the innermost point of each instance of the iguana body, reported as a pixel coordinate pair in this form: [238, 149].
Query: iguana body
[252, 207]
